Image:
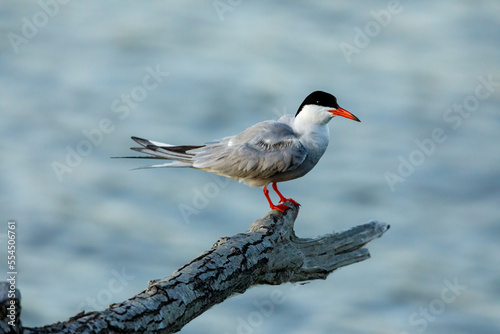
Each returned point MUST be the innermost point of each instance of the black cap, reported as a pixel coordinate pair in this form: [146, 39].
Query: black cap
[319, 98]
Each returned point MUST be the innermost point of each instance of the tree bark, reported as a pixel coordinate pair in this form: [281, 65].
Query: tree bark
[268, 253]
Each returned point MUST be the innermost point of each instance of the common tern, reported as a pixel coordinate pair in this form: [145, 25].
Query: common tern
[267, 152]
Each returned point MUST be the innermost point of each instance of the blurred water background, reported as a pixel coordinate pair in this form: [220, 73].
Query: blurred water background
[78, 78]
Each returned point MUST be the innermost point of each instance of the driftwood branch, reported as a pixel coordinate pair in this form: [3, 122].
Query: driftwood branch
[268, 253]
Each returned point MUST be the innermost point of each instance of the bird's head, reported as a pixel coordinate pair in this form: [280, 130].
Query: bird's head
[320, 107]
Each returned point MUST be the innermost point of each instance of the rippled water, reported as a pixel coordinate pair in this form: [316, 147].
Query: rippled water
[78, 79]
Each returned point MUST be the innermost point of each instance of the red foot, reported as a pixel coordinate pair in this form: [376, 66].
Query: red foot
[282, 198]
[280, 207]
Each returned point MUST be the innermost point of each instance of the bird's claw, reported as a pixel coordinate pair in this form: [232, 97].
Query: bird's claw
[283, 200]
[280, 207]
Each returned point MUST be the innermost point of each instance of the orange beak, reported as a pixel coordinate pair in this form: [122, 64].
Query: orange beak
[344, 113]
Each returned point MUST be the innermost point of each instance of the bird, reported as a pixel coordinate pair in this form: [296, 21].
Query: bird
[266, 153]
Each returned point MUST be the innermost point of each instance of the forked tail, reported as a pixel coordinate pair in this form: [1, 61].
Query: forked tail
[179, 154]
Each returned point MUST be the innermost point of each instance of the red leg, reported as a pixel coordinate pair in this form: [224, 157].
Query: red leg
[280, 207]
[282, 198]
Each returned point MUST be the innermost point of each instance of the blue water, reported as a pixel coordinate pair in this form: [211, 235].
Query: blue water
[77, 77]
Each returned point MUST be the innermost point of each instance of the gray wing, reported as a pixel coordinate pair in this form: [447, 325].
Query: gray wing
[261, 151]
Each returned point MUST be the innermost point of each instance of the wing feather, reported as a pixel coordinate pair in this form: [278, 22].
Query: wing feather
[260, 152]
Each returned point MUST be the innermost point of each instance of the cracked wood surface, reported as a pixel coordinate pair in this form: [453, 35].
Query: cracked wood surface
[268, 253]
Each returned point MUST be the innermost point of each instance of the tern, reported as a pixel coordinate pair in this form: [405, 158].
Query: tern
[267, 152]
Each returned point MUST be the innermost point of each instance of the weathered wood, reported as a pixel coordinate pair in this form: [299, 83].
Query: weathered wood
[268, 253]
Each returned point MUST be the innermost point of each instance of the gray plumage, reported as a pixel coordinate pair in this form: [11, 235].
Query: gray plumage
[263, 153]
[267, 152]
